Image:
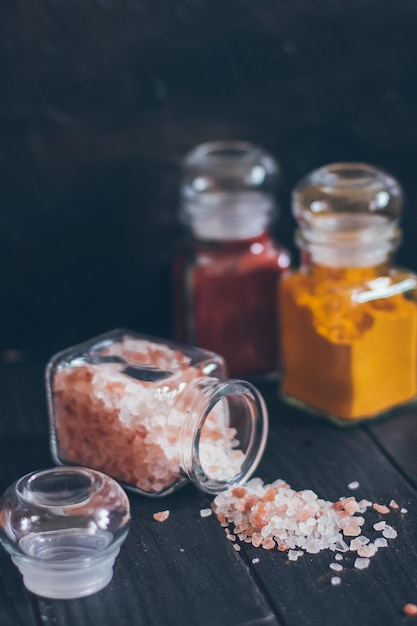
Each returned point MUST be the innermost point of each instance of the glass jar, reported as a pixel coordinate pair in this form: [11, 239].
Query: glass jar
[63, 528]
[226, 273]
[349, 317]
[153, 414]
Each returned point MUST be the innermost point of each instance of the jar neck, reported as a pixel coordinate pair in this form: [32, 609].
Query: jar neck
[224, 433]
[232, 245]
[367, 249]
[227, 216]
[347, 275]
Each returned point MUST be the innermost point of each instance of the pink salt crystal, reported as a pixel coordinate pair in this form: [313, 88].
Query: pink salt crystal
[353, 485]
[257, 539]
[338, 557]
[394, 505]
[336, 567]
[389, 532]
[255, 560]
[292, 555]
[268, 544]
[351, 530]
[231, 537]
[380, 525]
[361, 563]
[367, 551]
[335, 580]
[404, 511]
[381, 508]
[236, 547]
[352, 507]
[161, 516]
[410, 609]
[205, 512]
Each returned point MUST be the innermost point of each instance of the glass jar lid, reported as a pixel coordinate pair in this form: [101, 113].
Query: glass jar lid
[63, 528]
[228, 190]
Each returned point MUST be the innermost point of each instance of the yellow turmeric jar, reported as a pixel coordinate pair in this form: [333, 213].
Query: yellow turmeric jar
[348, 317]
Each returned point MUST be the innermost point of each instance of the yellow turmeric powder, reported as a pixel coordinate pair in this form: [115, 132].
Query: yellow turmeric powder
[349, 339]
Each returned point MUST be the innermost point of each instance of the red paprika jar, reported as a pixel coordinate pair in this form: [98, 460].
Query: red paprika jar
[226, 272]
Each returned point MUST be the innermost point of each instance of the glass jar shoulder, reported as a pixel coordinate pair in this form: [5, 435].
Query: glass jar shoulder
[236, 256]
[356, 284]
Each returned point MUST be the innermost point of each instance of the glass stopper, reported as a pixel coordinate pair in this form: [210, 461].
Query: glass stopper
[63, 528]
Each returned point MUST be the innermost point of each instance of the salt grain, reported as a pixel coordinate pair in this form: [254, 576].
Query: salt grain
[404, 511]
[394, 505]
[367, 551]
[338, 557]
[335, 580]
[236, 547]
[389, 532]
[336, 567]
[205, 512]
[380, 525]
[353, 485]
[292, 555]
[410, 609]
[381, 508]
[361, 563]
[255, 560]
[161, 516]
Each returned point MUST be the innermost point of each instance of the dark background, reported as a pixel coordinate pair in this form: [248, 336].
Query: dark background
[101, 99]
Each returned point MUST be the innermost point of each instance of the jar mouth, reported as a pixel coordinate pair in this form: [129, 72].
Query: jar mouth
[60, 487]
[237, 410]
[223, 152]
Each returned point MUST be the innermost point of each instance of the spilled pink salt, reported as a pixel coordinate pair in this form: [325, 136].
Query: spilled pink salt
[274, 516]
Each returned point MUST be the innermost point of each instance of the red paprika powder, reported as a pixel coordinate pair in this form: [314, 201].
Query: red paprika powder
[226, 274]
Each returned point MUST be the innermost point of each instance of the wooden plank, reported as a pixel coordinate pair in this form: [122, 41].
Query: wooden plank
[155, 582]
[313, 454]
[397, 437]
[179, 571]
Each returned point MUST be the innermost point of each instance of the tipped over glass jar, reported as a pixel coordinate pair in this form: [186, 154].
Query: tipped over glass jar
[153, 414]
[349, 316]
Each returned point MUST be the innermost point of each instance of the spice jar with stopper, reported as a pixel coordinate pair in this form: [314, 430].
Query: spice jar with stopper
[153, 414]
[226, 273]
[349, 316]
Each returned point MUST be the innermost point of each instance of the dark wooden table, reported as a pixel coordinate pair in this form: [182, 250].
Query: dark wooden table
[185, 572]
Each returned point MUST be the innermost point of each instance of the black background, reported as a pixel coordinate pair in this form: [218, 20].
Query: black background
[101, 99]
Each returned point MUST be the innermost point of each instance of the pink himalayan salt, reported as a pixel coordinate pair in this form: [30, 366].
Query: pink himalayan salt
[410, 609]
[161, 516]
[394, 505]
[130, 429]
[294, 519]
[381, 508]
